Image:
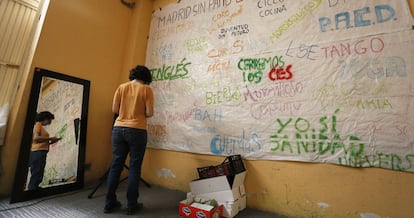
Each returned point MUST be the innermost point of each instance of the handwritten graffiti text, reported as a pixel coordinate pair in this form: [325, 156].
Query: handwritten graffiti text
[281, 73]
[178, 71]
[303, 51]
[236, 30]
[196, 44]
[381, 160]
[267, 111]
[236, 48]
[156, 130]
[253, 68]
[226, 94]
[374, 68]
[323, 140]
[374, 45]
[305, 10]
[360, 17]
[229, 145]
[271, 7]
[205, 115]
[278, 89]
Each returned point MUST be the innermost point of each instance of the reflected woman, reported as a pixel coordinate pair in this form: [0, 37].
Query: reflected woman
[40, 146]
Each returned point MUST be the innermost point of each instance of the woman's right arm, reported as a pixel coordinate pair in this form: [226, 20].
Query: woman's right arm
[149, 112]
[149, 104]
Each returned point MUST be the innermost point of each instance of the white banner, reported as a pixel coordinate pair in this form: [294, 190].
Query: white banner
[310, 80]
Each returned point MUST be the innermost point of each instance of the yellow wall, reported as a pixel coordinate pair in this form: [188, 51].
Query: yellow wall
[137, 37]
[101, 40]
[85, 39]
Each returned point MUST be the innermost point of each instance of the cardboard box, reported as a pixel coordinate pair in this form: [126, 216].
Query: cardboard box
[187, 208]
[232, 208]
[242, 190]
[221, 188]
[243, 203]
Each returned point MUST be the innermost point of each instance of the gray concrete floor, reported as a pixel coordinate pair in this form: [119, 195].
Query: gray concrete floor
[158, 202]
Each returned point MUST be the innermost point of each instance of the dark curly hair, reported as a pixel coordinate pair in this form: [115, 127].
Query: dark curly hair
[140, 73]
[44, 115]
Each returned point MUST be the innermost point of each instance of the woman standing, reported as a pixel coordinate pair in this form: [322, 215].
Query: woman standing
[134, 102]
[40, 146]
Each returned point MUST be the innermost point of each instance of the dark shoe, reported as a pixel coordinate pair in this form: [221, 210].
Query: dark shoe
[132, 210]
[109, 208]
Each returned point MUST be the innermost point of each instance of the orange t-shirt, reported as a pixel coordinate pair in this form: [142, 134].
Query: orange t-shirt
[39, 130]
[133, 99]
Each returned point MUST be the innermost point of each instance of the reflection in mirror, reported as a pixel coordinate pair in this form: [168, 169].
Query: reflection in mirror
[64, 100]
[53, 145]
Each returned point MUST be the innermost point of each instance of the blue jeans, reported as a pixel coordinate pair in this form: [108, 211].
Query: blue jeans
[37, 168]
[126, 140]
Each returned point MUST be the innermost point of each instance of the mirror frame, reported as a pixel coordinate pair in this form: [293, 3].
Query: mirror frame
[18, 192]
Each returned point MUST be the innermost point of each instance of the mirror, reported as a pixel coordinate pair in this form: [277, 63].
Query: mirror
[67, 98]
